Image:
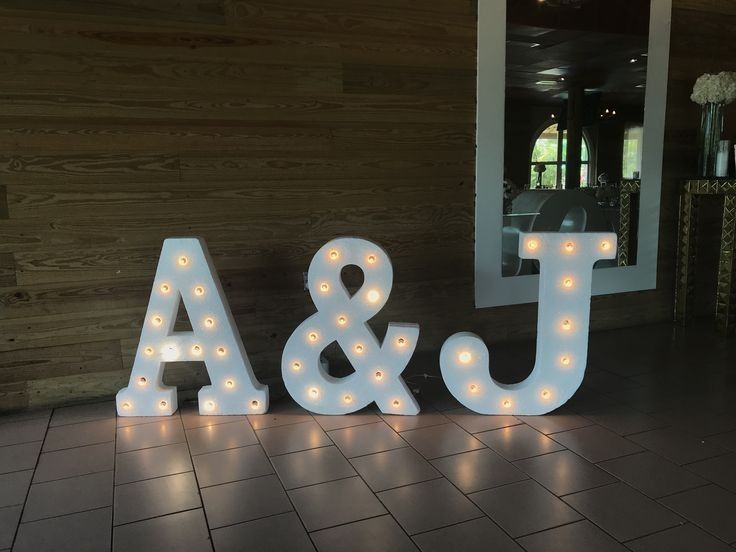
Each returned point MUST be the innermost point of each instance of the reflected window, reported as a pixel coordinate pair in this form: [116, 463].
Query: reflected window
[548, 159]
[633, 144]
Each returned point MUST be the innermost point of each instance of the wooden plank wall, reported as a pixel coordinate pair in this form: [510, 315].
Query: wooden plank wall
[267, 127]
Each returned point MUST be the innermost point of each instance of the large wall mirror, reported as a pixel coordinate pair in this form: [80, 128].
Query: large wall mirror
[570, 127]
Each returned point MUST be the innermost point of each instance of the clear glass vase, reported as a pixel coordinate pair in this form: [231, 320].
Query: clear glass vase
[711, 130]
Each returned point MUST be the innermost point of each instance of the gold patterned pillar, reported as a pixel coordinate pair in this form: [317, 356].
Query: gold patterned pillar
[627, 188]
[725, 290]
[686, 249]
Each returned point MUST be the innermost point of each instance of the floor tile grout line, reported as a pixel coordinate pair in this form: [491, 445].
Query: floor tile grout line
[673, 461]
[600, 486]
[92, 420]
[283, 425]
[385, 507]
[18, 471]
[484, 515]
[129, 451]
[193, 456]
[22, 443]
[125, 483]
[86, 510]
[259, 518]
[656, 501]
[502, 485]
[196, 481]
[157, 516]
[80, 446]
[405, 445]
[668, 495]
[718, 455]
[566, 524]
[262, 476]
[320, 483]
[331, 444]
[71, 477]
[687, 522]
[278, 478]
[30, 484]
[9, 414]
[433, 478]
[455, 524]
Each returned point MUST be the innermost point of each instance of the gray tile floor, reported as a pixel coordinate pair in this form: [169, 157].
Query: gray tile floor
[643, 458]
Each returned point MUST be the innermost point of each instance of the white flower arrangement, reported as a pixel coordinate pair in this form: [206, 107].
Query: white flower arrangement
[719, 89]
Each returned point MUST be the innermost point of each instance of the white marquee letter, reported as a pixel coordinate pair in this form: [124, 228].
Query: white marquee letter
[185, 272]
[343, 318]
[565, 274]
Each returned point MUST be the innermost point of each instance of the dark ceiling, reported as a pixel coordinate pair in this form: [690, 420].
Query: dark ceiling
[600, 45]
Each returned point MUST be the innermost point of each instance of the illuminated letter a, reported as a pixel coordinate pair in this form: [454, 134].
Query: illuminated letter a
[186, 273]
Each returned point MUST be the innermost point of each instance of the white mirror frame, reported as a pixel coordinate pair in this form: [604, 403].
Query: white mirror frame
[491, 288]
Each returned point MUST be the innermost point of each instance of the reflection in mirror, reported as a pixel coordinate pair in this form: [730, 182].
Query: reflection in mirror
[575, 85]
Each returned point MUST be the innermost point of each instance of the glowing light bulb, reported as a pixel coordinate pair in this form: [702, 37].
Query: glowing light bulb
[401, 342]
[324, 287]
[371, 259]
[565, 360]
[255, 404]
[378, 375]
[566, 325]
[567, 282]
[126, 406]
[506, 403]
[465, 357]
[373, 296]
[148, 351]
[165, 288]
[162, 405]
[157, 320]
[313, 336]
[347, 399]
[605, 245]
[545, 394]
[229, 383]
[396, 403]
[334, 254]
[474, 388]
[183, 261]
[142, 381]
[342, 320]
[314, 392]
[209, 406]
[532, 245]
[569, 246]
[359, 348]
[209, 322]
[196, 350]
[296, 366]
[199, 290]
[221, 351]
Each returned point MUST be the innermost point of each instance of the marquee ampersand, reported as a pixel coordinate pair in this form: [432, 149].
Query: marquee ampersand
[565, 277]
[342, 318]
